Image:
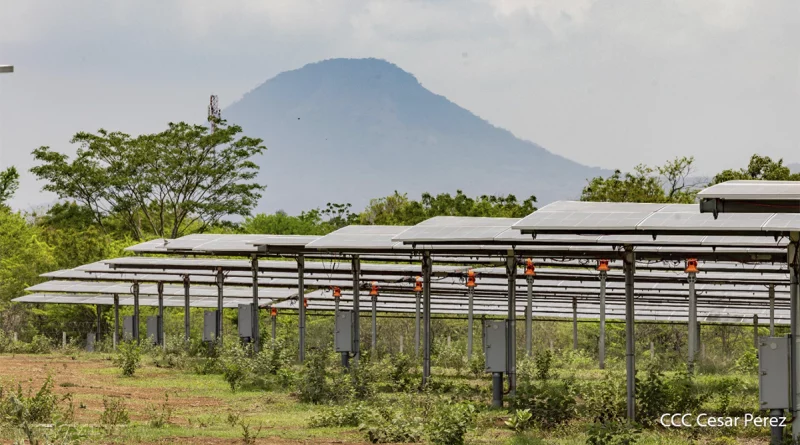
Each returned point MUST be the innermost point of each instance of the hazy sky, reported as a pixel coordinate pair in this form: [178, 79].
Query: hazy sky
[607, 83]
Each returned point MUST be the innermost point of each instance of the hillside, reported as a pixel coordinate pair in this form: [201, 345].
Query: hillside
[348, 130]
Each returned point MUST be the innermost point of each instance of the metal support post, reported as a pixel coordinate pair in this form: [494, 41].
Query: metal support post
[186, 309]
[274, 327]
[794, 318]
[771, 310]
[116, 321]
[136, 311]
[416, 325]
[99, 310]
[630, 339]
[602, 341]
[426, 306]
[160, 330]
[256, 334]
[374, 345]
[755, 331]
[470, 296]
[497, 390]
[356, 269]
[220, 306]
[692, 343]
[776, 431]
[575, 323]
[529, 319]
[511, 330]
[301, 305]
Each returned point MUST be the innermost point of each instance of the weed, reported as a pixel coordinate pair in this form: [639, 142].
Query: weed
[115, 414]
[520, 420]
[159, 416]
[129, 358]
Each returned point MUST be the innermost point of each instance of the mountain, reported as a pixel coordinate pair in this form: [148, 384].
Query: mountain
[348, 130]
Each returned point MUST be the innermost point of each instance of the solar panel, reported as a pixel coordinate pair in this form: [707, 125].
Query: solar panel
[455, 228]
[755, 190]
[108, 301]
[357, 238]
[150, 289]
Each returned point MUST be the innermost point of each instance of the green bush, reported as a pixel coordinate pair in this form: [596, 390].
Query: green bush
[448, 423]
[551, 404]
[235, 365]
[603, 400]
[313, 385]
[391, 425]
[19, 408]
[129, 357]
[747, 363]
[652, 396]
[613, 433]
[520, 420]
[543, 362]
[400, 378]
[351, 414]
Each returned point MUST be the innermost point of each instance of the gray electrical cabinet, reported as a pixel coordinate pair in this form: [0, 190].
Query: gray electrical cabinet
[773, 373]
[246, 320]
[209, 325]
[127, 328]
[343, 331]
[494, 345]
[90, 342]
[152, 330]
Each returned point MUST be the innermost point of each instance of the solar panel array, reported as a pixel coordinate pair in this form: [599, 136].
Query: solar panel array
[753, 190]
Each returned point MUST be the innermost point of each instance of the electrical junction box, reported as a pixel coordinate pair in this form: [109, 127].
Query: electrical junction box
[209, 325]
[246, 320]
[152, 330]
[343, 331]
[90, 342]
[773, 373]
[494, 345]
[127, 328]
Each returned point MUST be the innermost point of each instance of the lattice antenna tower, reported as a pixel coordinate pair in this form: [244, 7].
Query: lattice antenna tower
[214, 113]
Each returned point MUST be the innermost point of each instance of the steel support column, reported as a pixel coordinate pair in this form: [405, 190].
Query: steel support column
[470, 296]
[601, 346]
[529, 319]
[511, 330]
[771, 310]
[356, 269]
[794, 319]
[116, 321]
[160, 329]
[575, 323]
[630, 339]
[186, 309]
[426, 307]
[374, 344]
[301, 306]
[755, 331]
[136, 311]
[416, 325]
[692, 343]
[218, 328]
[256, 334]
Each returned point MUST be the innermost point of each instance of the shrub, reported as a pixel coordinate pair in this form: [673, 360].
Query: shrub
[128, 358]
[351, 414]
[477, 365]
[366, 378]
[273, 357]
[747, 363]
[390, 425]
[550, 404]
[685, 394]
[159, 416]
[114, 414]
[400, 377]
[652, 396]
[449, 422]
[613, 433]
[313, 387]
[449, 355]
[543, 363]
[604, 400]
[235, 366]
[40, 345]
[19, 408]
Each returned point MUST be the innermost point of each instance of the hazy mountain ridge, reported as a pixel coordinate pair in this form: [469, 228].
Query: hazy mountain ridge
[348, 130]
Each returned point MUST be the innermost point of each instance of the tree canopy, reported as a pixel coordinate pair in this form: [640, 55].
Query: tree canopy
[759, 168]
[670, 182]
[9, 182]
[185, 178]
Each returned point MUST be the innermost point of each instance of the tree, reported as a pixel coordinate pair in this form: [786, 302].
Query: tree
[312, 222]
[9, 182]
[667, 183]
[397, 209]
[183, 179]
[759, 168]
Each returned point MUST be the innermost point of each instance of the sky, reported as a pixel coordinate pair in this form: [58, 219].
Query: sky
[608, 83]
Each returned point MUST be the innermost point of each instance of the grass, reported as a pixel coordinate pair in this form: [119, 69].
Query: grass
[202, 406]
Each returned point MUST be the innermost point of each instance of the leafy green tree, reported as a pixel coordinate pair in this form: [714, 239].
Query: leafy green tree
[397, 209]
[312, 222]
[667, 183]
[183, 179]
[759, 168]
[9, 182]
